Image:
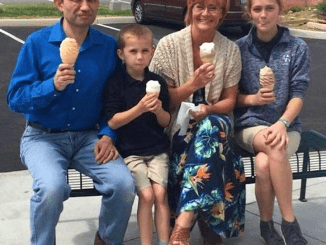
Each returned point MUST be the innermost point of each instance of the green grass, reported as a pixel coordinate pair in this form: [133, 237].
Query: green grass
[47, 10]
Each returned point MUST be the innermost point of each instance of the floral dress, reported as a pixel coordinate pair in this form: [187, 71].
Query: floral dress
[207, 177]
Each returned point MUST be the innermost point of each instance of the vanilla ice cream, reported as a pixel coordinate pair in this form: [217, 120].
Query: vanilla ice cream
[207, 52]
[69, 50]
[153, 86]
[266, 77]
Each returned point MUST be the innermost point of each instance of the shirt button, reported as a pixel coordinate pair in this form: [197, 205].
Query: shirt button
[54, 95]
[73, 108]
[79, 71]
[68, 124]
[77, 90]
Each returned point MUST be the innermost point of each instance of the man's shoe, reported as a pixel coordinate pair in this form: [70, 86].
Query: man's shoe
[98, 240]
[269, 234]
[292, 233]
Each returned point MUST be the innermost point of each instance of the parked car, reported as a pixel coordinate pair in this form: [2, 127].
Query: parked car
[175, 10]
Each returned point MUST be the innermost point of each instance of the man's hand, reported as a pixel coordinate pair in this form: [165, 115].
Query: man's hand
[65, 75]
[105, 150]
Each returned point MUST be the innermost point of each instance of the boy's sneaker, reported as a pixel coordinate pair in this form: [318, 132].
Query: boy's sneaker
[269, 234]
[292, 234]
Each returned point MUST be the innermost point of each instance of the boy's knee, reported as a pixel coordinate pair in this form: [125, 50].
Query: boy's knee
[147, 195]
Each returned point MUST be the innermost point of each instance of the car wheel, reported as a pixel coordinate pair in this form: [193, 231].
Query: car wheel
[139, 13]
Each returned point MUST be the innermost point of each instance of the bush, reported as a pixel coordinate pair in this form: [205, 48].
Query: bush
[295, 9]
[322, 8]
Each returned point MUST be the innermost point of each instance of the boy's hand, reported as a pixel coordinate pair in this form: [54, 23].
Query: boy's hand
[65, 75]
[149, 102]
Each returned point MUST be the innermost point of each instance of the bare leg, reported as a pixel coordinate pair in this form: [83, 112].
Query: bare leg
[280, 175]
[185, 219]
[144, 215]
[162, 212]
[263, 187]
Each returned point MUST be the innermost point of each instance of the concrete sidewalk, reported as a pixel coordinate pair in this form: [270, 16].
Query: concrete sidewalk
[79, 220]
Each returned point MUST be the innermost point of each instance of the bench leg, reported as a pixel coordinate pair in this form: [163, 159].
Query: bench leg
[302, 197]
[304, 180]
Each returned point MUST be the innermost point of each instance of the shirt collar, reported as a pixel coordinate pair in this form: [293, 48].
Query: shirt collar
[58, 35]
[133, 80]
[285, 35]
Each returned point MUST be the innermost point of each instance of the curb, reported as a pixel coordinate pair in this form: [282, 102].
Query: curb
[308, 34]
[46, 21]
[131, 19]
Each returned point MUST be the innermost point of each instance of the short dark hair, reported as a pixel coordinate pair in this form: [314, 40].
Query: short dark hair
[135, 30]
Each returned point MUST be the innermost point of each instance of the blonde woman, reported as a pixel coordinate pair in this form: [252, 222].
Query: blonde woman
[206, 179]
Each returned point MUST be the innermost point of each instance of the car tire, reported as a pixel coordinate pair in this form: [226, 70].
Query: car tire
[139, 13]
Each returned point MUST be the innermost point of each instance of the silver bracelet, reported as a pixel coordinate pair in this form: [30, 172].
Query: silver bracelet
[285, 122]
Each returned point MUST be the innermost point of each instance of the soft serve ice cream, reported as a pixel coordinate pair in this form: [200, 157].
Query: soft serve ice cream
[69, 50]
[153, 86]
[266, 77]
[207, 52]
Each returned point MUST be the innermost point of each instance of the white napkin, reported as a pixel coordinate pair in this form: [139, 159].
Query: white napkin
[184, 116]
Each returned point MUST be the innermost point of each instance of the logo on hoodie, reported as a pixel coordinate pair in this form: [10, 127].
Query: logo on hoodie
[286, 58]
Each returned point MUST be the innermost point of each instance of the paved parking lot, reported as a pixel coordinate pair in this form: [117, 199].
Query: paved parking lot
[12, 124]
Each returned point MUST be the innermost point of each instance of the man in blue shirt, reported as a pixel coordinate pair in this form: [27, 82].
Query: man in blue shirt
[65, 128]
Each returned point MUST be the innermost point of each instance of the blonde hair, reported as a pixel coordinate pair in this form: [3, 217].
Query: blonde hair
[133, 30]
[191, 3]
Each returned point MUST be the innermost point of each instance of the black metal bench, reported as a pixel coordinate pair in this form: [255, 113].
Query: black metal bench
[308, 162]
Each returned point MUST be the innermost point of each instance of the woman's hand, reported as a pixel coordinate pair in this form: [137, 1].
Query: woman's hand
[276, 135]
[200, 114]
[263, 97]
[203, 75]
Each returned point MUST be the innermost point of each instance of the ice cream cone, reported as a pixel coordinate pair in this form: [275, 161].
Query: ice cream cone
[207, 52]
[69, 50]
[153, 86]
[267, 78]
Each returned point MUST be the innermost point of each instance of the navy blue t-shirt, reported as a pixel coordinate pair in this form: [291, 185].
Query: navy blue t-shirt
[143, 136]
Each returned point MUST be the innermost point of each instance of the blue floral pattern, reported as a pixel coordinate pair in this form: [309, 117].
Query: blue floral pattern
[207, 177]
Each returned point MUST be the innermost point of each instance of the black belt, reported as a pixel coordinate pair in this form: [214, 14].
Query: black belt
[51, 130]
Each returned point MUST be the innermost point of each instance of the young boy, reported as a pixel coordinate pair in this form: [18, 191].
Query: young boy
[140, 119]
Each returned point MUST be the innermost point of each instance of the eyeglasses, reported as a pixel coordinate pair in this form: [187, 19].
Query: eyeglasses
[213, 9]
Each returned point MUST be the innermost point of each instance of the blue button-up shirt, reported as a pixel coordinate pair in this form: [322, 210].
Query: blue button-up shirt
[79, 106]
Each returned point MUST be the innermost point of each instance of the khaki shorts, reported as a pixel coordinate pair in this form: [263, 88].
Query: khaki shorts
[245, 139]
[147, 168]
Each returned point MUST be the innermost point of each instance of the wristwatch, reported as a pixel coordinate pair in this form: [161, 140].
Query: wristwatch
[285, 122]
